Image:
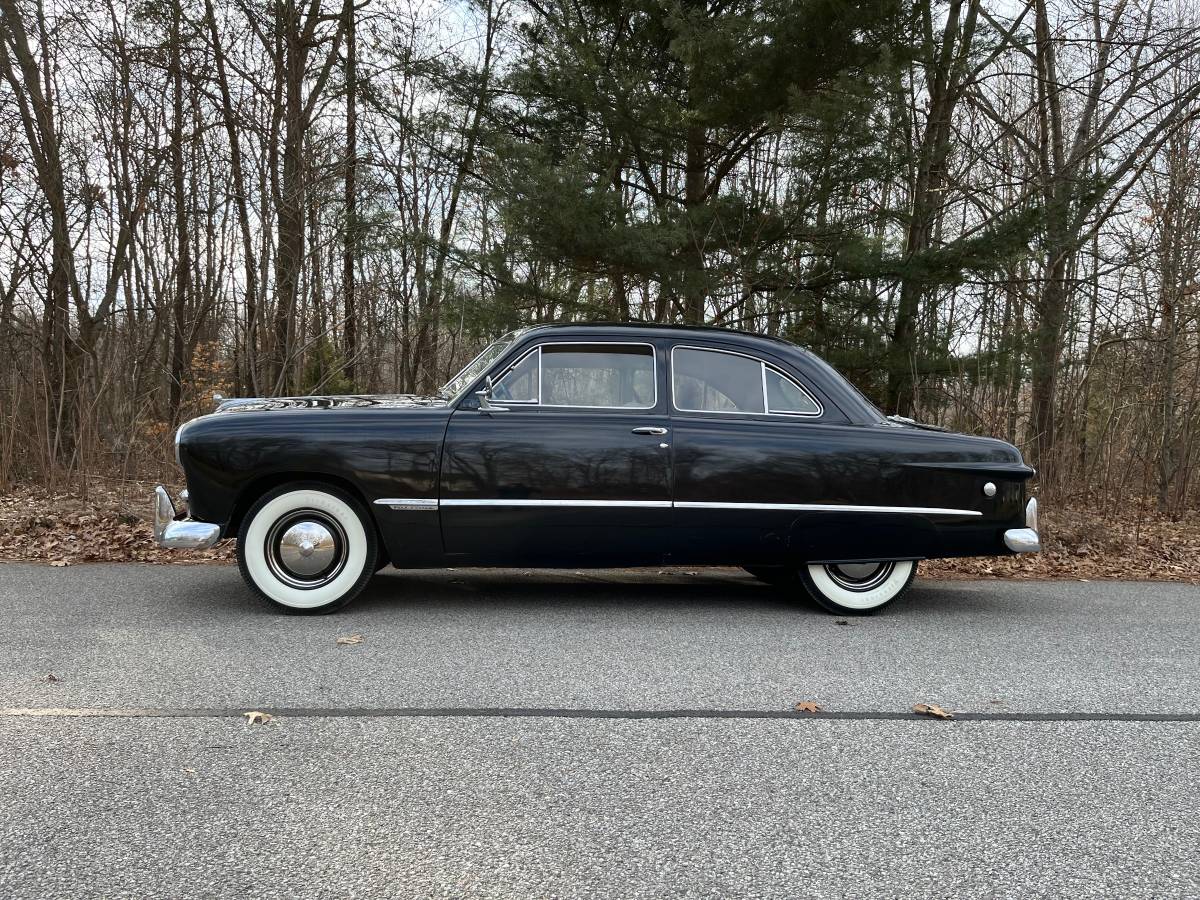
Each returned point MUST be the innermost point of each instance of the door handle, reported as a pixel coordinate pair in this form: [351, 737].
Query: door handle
[650, 429]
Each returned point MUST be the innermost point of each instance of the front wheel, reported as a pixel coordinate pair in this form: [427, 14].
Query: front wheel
[857, 589]
[307, 548]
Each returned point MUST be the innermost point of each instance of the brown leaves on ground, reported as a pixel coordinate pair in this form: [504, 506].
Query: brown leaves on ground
[807, 706]
[1094, 542]
[256, 717]
[350, 640]
[932, 710]
[111, 522]
[107, 523]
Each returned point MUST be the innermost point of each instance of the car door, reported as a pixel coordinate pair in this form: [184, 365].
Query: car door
[758, 454]
[573, 469]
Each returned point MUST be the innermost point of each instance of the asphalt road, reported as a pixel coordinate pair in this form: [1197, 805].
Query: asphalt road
[611, 734]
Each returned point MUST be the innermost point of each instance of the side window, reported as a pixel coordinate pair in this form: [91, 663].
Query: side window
[520, 383]
[719, 382]
[602, 376]
[598, 375]
[786, 397]
[706, 381]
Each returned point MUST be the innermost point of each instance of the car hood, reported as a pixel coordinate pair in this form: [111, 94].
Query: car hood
[349, 401]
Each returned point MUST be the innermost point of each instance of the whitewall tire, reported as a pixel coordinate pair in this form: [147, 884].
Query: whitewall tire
[307, 548]
[860, 588]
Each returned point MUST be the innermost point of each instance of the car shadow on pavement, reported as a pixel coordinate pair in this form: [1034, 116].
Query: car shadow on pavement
[668, 591]
[556, 588]
[531, 589]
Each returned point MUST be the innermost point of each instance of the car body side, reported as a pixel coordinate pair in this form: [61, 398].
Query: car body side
[478, 488]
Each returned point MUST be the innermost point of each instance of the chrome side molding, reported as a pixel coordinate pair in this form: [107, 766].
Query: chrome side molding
[409, 503]
[650, 504]
[831, 507]
[180, 534]
[433, 504]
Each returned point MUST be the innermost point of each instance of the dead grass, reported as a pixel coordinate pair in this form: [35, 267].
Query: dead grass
[111, 523]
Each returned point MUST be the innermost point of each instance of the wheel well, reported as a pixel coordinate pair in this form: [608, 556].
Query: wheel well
[250, 494]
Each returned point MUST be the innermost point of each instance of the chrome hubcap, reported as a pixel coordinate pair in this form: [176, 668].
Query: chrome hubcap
[306, 549]
[860, 576]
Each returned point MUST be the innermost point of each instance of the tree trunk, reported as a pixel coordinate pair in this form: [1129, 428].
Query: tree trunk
[943, 75]
[32, 92]
[695, 293]
[350, 313]
[183, 263]
[247, 375]
[290, 254]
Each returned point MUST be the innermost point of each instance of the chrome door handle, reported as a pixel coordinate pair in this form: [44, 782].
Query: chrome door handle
[650, 429]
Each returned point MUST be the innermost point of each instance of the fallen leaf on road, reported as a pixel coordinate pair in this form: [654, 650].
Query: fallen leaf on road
[350, 640]
[52, 678]
[933, 710]
[808, 706]
[189, 770]
[254, 717]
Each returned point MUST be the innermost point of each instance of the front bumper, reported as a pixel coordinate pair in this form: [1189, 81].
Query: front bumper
[180, 534]
[1027, 539]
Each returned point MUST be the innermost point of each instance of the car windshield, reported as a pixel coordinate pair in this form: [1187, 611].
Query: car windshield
[477, 366]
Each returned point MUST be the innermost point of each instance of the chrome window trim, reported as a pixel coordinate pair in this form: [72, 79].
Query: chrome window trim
[538, 349]
[508, 371]
[801, 388]
[516, 333]
[763, 376]
[401, 503]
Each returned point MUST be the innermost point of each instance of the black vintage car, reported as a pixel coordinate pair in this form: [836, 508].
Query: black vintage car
[598, 445]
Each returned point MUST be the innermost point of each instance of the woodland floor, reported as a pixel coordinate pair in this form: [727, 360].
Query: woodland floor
[1082, 541]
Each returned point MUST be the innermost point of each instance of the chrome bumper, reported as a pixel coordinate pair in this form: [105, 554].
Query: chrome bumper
[1025, 540]
[180, 534]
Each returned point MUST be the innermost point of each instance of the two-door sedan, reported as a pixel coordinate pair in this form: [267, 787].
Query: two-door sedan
[598, 445]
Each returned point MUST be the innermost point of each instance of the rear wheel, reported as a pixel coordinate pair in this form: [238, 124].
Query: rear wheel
[308, 548]
[857, 589]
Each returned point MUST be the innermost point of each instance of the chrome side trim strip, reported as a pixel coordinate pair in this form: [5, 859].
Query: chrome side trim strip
[831, 507]
[654, 504]
[413, 503]
[683, 504]
[432, 504]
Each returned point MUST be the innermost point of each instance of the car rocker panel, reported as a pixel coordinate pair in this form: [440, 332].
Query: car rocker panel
[604, 446]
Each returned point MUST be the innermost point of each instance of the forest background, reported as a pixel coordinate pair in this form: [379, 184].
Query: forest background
[986, 213]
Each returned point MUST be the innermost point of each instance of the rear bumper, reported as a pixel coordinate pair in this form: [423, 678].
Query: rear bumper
[1027, 539]
[180, 534]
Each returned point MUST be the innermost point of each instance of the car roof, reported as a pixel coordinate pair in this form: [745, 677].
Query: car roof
[850, 400]
[660, 329]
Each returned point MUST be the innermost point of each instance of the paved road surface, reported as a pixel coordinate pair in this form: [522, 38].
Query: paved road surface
[1055, 789]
